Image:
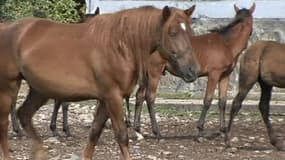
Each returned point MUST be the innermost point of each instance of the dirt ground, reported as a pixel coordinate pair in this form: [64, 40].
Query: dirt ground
[250, 140]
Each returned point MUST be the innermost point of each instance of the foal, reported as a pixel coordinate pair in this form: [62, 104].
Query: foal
[217, 54]
[106, 58]
[264, 63]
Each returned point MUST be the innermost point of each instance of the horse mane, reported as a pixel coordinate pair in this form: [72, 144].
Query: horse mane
[129, 33]
[240, 17]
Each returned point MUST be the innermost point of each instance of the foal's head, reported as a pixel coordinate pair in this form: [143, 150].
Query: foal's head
[175, 45]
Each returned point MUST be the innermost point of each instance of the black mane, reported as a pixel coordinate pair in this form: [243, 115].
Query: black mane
[240, 16]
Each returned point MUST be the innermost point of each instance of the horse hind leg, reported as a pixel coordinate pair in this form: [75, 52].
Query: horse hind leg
[15, 123]
[14, 119]
[264, 109]
[247, 78]
[97, 127]
[5, 104]
[25, 113]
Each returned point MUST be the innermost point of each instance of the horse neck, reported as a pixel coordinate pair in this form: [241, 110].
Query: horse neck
[131, 34]
[237, 40]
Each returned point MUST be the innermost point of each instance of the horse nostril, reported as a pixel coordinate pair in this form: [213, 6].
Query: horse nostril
[191, 72]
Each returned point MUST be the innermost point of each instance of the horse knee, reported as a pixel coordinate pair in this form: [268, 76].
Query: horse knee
[122, 137]
[236, 106]
[207, 103]
[23, 118]
[222, 102]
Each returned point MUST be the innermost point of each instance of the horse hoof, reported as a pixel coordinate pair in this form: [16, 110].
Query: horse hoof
[200, 139]
[40, 155]
[223, 130]
[158, 136]
[139, 136]
[280, 145]
[128, 124]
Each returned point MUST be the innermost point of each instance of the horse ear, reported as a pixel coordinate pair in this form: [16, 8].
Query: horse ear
[190, 11]
[97, 11]
[236, 8]
[252, 8]
[166, 13]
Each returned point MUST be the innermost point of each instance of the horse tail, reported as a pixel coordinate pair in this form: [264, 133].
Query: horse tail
[250, 64]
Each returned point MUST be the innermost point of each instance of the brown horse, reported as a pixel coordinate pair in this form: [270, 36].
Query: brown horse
[217, 53]
[103, 59]
[16, 128]
[264, 63]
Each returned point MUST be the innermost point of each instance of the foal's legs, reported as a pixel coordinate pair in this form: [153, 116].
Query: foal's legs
[57, 105]
[128, 112]
[264, 109]
[32, 103]
[5, 104]
[65, 127]
[99, 120]
[140, 97]
[150, 99]
[52, 125]
[223, 87]
[211, 85]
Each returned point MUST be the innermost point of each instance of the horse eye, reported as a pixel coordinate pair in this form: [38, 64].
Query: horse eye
[172, 33]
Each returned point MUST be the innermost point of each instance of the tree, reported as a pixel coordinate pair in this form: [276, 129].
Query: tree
[67, 11]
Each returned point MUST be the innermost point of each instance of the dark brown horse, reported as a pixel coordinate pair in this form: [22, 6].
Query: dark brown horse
[103, 59]
[264, 63]
[16, 128]
[217, 53]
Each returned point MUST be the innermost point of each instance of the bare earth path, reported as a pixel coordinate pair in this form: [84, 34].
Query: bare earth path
[250, 141]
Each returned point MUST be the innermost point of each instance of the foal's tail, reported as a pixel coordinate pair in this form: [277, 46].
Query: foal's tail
[250, 64]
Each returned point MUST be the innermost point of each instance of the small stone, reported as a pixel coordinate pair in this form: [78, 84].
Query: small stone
[234, 139]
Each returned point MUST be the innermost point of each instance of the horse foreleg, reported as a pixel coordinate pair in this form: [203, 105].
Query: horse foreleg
[114, 107]
[97, 127]
[52, 125]
[223, 87]
[65, 127]
[25, 113]
[140, 97]
[264, 109]
[211, 85]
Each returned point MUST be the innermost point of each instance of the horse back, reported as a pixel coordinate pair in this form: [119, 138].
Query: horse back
[272, 63]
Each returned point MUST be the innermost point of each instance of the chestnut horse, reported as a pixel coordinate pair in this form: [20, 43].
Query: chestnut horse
[57, 104]
[217, 54]
[264, 63]
[103, 59]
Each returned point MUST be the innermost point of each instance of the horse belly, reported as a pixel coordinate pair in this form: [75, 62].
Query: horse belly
[60, 81]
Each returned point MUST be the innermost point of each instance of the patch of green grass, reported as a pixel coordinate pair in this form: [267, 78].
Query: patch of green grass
[171, 95]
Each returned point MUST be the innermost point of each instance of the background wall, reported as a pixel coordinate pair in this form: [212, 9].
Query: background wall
[269, 24]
